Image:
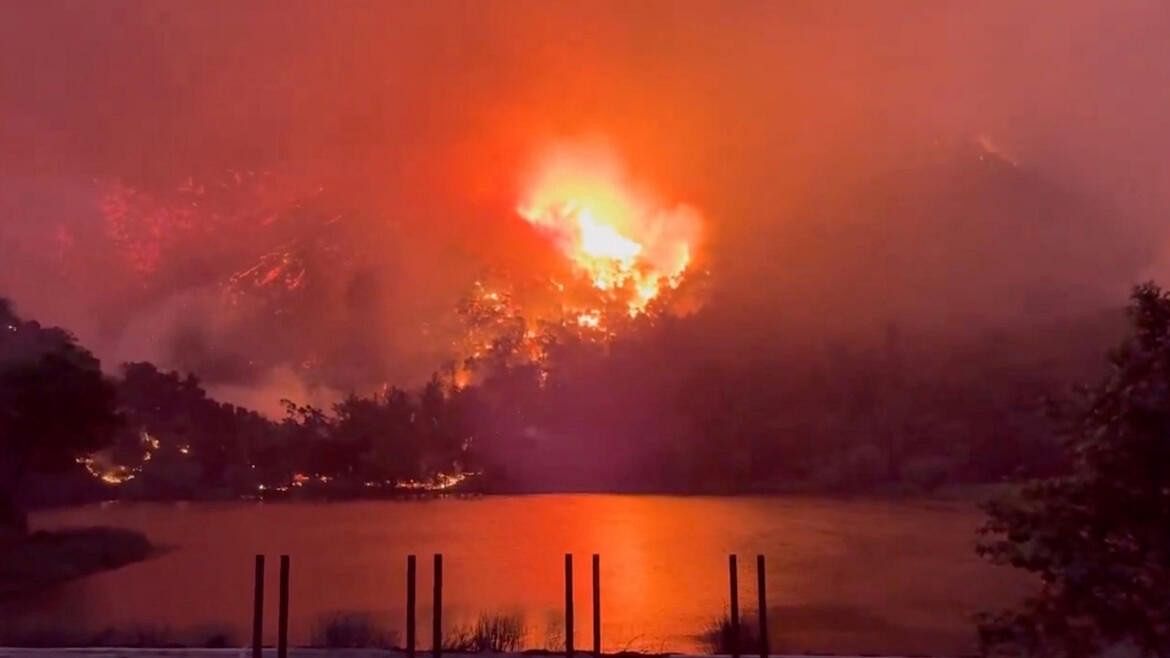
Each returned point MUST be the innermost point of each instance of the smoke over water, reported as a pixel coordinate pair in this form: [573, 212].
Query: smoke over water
[294, 199]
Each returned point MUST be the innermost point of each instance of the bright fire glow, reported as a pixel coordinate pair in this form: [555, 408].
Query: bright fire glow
[101, 466]
[613, 231]
[592, 320]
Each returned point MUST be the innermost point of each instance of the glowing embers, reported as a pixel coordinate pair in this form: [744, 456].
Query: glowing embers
[103, 467]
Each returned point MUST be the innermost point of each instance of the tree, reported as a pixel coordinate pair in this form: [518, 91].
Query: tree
[209, 436]
[55, 405]
[1099, 536]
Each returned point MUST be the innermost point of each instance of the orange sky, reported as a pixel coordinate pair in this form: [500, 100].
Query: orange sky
[780, 121]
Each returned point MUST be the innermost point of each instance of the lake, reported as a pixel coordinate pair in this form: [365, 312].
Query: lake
[843, 575]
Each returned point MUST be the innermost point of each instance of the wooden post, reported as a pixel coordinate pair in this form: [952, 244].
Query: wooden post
[282, 618]
[437, 614]
[568, 604]
[734, 576]
[258, 609]
[596, 605]
[762, 588]
[411, 568]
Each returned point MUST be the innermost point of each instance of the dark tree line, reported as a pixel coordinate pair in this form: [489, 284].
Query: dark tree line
[54, 405]
[70, 433]
[657, 409]
[183, 445]
[662, 408]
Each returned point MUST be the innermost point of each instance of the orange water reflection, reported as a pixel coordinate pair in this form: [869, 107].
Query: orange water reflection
[843, 575]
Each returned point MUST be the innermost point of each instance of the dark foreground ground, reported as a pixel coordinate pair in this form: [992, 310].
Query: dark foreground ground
[293, 653]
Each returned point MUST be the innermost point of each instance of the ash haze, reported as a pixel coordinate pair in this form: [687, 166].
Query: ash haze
[946, 167]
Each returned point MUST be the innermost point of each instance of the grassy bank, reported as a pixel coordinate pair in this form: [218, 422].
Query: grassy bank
[42, 559]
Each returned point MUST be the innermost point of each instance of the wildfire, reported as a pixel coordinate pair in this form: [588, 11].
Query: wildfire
[591, 320]
[149, 228]
[626, 242]
[440, 482]
[111, 474]
[102, 466]
[624, 250]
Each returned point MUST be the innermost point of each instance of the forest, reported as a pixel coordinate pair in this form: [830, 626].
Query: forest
[904, 414]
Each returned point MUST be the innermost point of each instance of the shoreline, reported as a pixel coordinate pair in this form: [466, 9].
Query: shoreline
[48, 558]
[972, 494]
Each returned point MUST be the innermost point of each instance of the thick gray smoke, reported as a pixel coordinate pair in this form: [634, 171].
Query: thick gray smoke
[944, 165]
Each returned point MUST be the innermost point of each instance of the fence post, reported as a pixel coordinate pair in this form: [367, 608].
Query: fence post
[762, 588]
[437, 614]
[734, 576]
[596, 605]
[282, 618]
[411, 569]
[568, 604]
[258, 609]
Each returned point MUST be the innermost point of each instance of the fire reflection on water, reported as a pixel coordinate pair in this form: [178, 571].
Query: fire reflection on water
[844, 576]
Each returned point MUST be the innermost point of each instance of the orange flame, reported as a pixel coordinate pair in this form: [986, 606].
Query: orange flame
[613, 231]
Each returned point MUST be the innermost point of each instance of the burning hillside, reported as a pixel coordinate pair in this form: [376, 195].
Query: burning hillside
[271, 284]
[628, 244]
[624, 256]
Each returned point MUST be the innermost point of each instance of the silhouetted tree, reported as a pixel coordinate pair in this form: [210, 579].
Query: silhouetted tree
[1098, 537]
[55, 405]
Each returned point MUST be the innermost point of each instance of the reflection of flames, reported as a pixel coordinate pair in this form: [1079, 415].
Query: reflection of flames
[627, 244]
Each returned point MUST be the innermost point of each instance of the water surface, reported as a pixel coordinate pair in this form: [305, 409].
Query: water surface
[843, 576]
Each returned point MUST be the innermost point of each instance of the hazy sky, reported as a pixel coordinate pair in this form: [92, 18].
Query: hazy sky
[931, 162]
